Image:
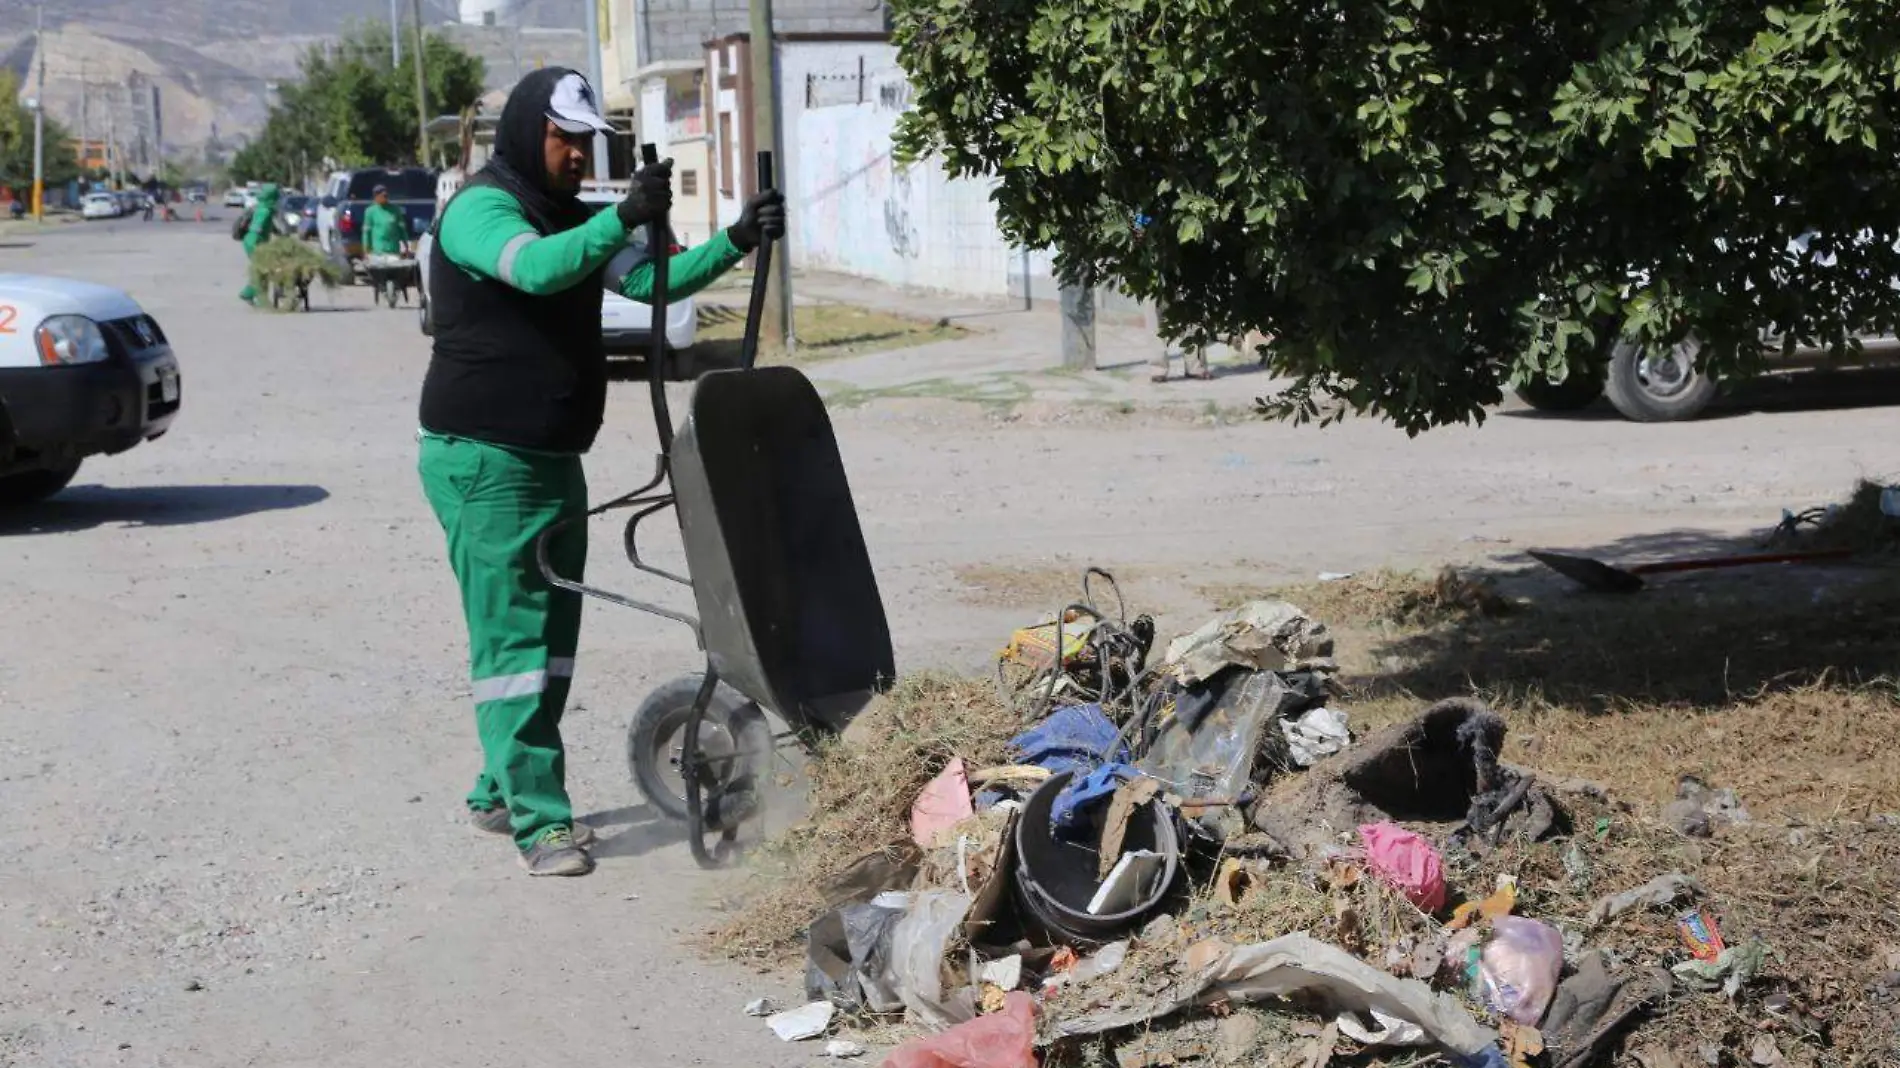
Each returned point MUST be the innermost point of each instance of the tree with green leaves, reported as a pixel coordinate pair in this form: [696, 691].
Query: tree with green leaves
[351, 108]
[1426, 201]
[58, 163]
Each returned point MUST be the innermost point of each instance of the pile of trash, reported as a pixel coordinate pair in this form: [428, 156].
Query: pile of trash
[1191, 859]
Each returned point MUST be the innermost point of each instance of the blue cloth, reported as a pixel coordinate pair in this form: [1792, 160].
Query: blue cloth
[1085, 792]
[1076, 738]
[1491, 1057]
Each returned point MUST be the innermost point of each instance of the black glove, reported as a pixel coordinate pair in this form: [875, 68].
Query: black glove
[763, 217]
[650, 197]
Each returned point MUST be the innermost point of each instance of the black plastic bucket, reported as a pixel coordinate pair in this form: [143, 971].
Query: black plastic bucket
[1055, 880]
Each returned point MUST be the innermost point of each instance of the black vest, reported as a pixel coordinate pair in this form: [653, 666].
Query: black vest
[511, 368]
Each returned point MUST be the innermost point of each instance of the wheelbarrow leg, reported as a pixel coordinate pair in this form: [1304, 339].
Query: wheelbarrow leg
[695, 787]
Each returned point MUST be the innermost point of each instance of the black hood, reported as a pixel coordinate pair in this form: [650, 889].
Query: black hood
[519, 164]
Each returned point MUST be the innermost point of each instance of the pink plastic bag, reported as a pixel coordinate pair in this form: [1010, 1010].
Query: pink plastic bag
[1406, 861]
[1002, 1040]
[1520, 966]
[943, 803]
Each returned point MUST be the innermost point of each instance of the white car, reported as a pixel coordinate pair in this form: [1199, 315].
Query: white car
[234, 197]
[625, 325]
[100, 206]
[83, 372]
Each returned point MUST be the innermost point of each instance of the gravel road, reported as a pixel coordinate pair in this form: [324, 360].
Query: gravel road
[234, 716]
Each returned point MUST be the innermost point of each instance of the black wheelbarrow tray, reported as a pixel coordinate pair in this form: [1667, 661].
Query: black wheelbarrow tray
[789, 614]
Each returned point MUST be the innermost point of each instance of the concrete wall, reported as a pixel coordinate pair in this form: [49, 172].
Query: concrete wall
[854, 211]
[679, 29]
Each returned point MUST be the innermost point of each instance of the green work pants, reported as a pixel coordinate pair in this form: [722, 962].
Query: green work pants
[492, 503]
[249, 293]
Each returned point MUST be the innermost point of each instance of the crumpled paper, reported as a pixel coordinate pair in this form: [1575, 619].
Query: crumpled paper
[1261, 636]
[1314, 736]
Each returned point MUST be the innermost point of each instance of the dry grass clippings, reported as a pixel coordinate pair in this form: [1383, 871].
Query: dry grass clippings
[1383, 597]
[862, 786]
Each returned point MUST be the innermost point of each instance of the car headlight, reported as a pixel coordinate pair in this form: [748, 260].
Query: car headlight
[70, 339]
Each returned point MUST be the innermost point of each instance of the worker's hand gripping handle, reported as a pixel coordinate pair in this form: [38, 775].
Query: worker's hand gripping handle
[761, 271]
[659, 247]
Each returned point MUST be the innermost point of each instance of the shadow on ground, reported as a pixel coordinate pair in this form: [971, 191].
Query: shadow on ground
[85, 507]
[632, 831]
[1696, 639]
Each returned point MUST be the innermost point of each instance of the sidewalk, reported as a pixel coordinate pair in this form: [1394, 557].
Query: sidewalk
[1010, 356]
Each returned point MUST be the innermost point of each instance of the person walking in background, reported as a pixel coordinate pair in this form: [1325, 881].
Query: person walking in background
[1193, 359]
[258, 232]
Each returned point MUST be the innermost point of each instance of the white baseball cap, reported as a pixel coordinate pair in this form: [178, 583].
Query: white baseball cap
[572, 107]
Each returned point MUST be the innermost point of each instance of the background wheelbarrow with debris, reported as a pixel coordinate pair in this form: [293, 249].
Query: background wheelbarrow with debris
[391, 277]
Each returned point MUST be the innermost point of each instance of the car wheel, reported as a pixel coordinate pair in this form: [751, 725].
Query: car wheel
[1657, 384]
[32, 487]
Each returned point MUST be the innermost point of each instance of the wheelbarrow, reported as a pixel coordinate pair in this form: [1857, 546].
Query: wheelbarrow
[788, 611]
[390, 276]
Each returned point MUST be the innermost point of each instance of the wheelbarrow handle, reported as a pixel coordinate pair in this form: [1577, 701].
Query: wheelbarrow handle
[1710, 563]
[659, 246]
[761, 273]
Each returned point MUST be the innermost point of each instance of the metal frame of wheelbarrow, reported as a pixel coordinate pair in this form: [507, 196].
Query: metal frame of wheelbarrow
[773, 556]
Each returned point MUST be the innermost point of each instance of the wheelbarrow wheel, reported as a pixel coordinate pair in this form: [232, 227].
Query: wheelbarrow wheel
[734, 742]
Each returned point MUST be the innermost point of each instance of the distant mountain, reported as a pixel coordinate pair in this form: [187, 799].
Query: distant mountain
[197, 21]
[213, 64]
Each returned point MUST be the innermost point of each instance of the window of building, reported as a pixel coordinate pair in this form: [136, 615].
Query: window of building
[689, 183]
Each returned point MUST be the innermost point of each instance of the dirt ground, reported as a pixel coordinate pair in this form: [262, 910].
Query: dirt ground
[234, 719]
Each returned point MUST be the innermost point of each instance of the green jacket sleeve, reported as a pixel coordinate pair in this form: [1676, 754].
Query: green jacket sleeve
[485, 233]
[687, 273]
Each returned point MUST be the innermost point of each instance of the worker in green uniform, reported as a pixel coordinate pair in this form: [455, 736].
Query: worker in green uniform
[385, 231]
[515, 394]
[262, 214]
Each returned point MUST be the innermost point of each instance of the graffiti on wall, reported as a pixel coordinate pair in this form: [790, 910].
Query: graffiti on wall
[905, 241]
[894, 94]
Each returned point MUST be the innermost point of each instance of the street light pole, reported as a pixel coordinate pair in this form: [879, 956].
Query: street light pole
[395, 35]
[39, 117]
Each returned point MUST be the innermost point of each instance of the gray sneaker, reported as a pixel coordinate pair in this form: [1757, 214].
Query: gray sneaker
[557, 854]
[493, 820]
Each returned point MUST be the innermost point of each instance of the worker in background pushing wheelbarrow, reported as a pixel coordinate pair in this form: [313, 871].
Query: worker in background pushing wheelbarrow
[385, 230]
[514, 395]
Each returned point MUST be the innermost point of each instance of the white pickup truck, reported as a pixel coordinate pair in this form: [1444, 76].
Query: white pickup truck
[626, 326]
[83, 372]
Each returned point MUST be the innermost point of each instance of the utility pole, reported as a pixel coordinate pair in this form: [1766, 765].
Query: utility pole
[85, 146]
[1078, 327]
[395, 35]
[594, 76]
[778, 326]
[39, 117]
[112, 143]
[422, 95]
